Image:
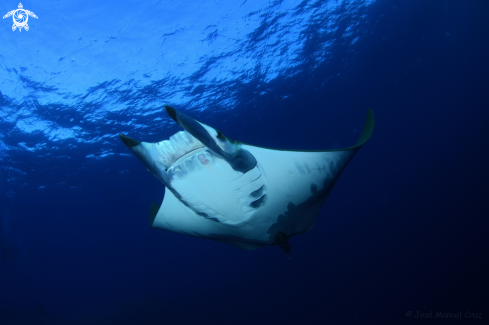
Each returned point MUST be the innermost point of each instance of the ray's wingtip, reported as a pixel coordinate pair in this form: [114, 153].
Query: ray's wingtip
[129, 142]
[153, 212]
[370, 117]
[368, 128]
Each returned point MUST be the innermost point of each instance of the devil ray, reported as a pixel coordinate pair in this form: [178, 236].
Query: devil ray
[236, 193]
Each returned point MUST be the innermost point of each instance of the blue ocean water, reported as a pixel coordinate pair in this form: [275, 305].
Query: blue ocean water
[402, 236]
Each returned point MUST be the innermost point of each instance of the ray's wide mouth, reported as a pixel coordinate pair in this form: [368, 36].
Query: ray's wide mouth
[180, 145]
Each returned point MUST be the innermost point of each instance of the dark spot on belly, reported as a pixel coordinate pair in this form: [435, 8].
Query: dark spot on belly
[290, 221]
[314, 188]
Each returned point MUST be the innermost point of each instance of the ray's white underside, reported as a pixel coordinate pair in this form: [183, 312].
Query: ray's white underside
[290, 177]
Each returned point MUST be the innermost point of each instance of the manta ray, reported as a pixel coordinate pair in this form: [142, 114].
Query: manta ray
[236, 193]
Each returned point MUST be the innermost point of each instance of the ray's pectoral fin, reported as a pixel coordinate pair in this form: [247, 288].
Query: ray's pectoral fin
[281, 241]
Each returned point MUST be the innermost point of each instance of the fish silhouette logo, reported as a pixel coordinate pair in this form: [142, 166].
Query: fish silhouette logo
[20, 17]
